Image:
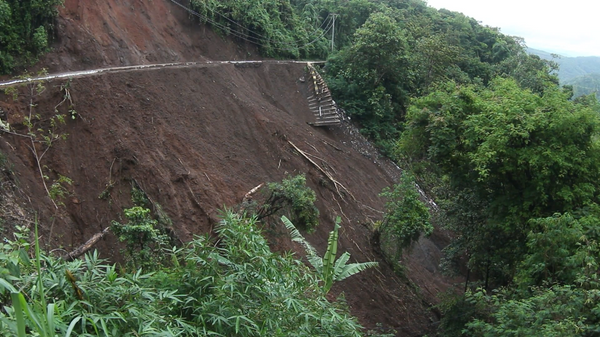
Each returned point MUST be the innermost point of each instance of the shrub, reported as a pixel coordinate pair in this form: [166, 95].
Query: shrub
[406, 217]
[143, 239]
[293, 195]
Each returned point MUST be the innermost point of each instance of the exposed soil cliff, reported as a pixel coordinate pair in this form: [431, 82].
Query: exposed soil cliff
[197, 139]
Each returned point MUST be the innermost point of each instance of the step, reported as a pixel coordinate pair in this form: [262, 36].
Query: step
[323, 111]
[324, 118]
[326, 123]
[323, 98]
[316, 105]
[326, 102]
[323, 103]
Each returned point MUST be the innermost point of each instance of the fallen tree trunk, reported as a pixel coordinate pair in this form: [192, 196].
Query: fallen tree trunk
[86, 246]
[336, 183]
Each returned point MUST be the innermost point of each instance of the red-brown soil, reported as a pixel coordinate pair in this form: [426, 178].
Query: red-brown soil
[196, 140]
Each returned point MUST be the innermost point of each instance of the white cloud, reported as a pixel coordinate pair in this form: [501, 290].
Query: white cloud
[568, 27]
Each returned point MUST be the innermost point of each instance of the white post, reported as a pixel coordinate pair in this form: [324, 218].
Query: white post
[333, 31]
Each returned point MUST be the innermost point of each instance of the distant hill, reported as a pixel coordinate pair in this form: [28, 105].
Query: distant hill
[582, 72]
[571, 67]
[586, 84]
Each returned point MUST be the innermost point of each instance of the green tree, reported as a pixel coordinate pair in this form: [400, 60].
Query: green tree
[406, 217]
[367, 76]
[431, 61]
[556, 291]
[521, 154]
[144, 240]
[273, 25]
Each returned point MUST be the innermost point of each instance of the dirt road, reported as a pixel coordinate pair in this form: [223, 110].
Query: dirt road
[93, 72]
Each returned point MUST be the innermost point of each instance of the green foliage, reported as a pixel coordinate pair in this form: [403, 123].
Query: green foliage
[406, 217]
[517, 154]
[40, 317]
[138, 196]
[24, 31]
[328, 267]
[273, 25]
[554, 293]
[58, 190]
[563, 249]
[529, 71]
[557, 290]
[555, 311]
[144, 240]
[585, 85]
[293, 194]
[239, 288]
[366, 76]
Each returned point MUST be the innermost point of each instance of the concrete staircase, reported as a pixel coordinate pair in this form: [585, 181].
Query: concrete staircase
[319, 100]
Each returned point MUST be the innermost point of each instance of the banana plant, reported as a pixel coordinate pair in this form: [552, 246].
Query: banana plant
[328, 267]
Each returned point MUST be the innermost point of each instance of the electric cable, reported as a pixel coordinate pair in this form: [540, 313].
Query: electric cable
[252, 39]
[260, 35]
[249, 38]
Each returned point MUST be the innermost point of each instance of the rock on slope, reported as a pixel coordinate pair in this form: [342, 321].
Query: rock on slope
[197, 139]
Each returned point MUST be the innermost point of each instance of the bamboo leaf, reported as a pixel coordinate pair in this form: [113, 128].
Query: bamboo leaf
[50, 319]
[7, 286]
[72, 326]
[19, 314]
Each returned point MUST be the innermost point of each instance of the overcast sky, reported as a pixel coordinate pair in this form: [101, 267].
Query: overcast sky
[570, 28]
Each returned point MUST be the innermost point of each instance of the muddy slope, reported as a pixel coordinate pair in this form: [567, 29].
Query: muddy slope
[196, 140]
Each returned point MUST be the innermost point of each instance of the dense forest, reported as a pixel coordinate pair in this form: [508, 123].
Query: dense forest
[479, 123]
[25, 30]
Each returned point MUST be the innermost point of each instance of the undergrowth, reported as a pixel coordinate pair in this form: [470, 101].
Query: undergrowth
[236, 288]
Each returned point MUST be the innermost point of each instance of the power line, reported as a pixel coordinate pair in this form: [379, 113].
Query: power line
[258, 34]
[251, 39]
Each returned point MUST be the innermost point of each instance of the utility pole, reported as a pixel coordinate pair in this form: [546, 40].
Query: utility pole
[333, 30]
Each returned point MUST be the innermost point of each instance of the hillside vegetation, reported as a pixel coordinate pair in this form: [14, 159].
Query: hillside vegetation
[26, 28]
[579, 72]
[585, 85]
[570, 67]
[484, 127]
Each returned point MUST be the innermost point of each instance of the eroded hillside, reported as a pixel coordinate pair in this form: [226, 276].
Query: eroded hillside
[195, 140]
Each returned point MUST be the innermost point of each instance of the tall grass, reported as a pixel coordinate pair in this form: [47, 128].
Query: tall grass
[236, 288]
